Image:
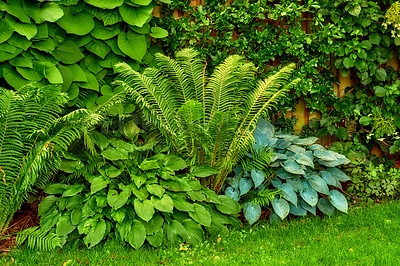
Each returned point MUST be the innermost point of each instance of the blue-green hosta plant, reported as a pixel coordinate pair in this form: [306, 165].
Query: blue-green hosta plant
[128, 192]
[304, 173]
[207, 119]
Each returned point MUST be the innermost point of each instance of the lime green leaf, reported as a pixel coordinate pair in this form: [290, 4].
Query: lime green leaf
[165, 204]
[76, 216]
[118, 215]
[78, 74]
[137, 235]
[175, 232]
[155, 190]
[46, 204]
[181, 204]
[348, 63]
[194, 232]
[97, 184]
[149, 165]
[27, 30]
[68, 53]
[144, 210]
[52, 73]
[72, 190]
[80, 24]
[105, 4]
[355, 10]
[6, 30]
[109, 17]
[158, 33]
[30, 74]
[132, 44]
[46, 12]
[200, 215]
[117, 200]
[92, 82]
[21, 61]
[136, 16]
[228, 205]
[67, 77]
[99, 48]
[96, 234]
[203, 171]
[74, 202]
[156, 239]
[14, 8]
[131, 130]
[104, 33]
[64, 226]
[141, 2]
[46, 45]
[365, 120]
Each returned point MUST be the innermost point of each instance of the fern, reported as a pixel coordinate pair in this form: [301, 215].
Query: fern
[264, 197]
[39, 239]
[259, 159]
[209, 120]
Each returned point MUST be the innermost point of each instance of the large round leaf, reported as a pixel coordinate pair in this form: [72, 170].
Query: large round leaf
[338, 200]
[144, 210]
[46, 12]
[6, 30]
[101, 32]
[132, 44]
[80, 24]
[64, 226]
[105, 4]
[251, 212]
[194, 232]
[136, 16]
[137, 235]
[68, 53]
[281, 207]
[27, 30]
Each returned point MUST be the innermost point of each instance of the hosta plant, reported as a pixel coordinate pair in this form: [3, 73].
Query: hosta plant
[209, 120]
[130, 193]
[305, 174]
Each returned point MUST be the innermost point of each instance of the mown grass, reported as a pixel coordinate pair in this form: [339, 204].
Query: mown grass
[369, 235]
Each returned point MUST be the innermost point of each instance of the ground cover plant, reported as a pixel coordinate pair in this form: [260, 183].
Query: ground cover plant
[368, 235]
[207, 119]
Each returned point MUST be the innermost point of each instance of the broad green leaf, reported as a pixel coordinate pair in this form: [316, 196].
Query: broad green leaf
[156, 239]
[365, 120]
[329, 179]
[72, 190]
[348, 62]
[251, 212]
[68, 53]
[12, 77]
[46, 204]
[258, 176]
[78, 74]
[46, 45]
[307, 207]
[342, 133]
[288, 193]
[21, 61]
[118, 215]
[105, 4]
[149, 165]
[6, 30]
[305, 141]
[114, 154]
[76, 23]
[338, 174]
[108, 17]
[281, 207]
[91, 84]
[293, 167]
[194, 232]
[228, 205]
[380, 74]
[297, 210]
[49, 11]
[27, 30]
[325, 155]
[64, 225]
[99, 48]
[309, 194]
[137, 235]
[200, 215]
[96, 234]
[97, 184]
[155, 224]
[303, 160]
[366, 45]
[31, 74]
[245, 185]
[141, 2]
[76, 216]
[181, 204]
[144, 210]
[318, 184]
[14, 8]
[325, 206]
[101, 32]
[74, 202]
[158, 33]
[165, 204]
[338, 201]
[355, 10]
[380, 91]
[155, 190]
[175, 232]
[136, 16]
[196, 195]
[56, 188]
[375, 38]
[52, 74]
[175, 163]
[117, 200]
[203, 171]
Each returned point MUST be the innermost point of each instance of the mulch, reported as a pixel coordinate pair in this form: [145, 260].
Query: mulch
[23, 219]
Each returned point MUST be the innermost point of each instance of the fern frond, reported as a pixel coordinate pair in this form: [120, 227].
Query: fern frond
[264, 197]
[260, 159]
[36, 238]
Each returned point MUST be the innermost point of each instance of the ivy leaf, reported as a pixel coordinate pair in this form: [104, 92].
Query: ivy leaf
[137, 51]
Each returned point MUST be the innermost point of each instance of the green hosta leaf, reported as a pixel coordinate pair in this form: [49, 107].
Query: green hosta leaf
[114, 154]
[76, 23]
[251, 212]
[293, 167]
[31, 74]
[307, 207]
[309, 194]
[49, 11]
[288, 193]
[144, 210]
[325, 155]
[158, 33]
[46, 204]
[203, 171]
[325, 206]
[329, 179]
[118, 215]
[175, 232]
[99, 48]
[105, 4]
[281, 207]
[303, 159]
[64, 226]
[318, 184]
[194, 232]
[96, 234]
[155, 190]
[296, 149]
[72, 190]
[155, 224]
[297, 210]
[175, 163]
[258, 176]
[365, 120]
[156, 239]
[200, 215]
[6, 30]
[165, 204]
[117, 200]
[76, 216]
[97, 184]
[181, 204]
[285, 175]
[74, 202]
[136, 16]
[149, 165]
[27, 30]
[68, 53]
[228, 205]
[338, 200]
[56, 188]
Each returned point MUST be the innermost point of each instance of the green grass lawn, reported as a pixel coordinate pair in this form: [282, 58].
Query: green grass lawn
[369, 235]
